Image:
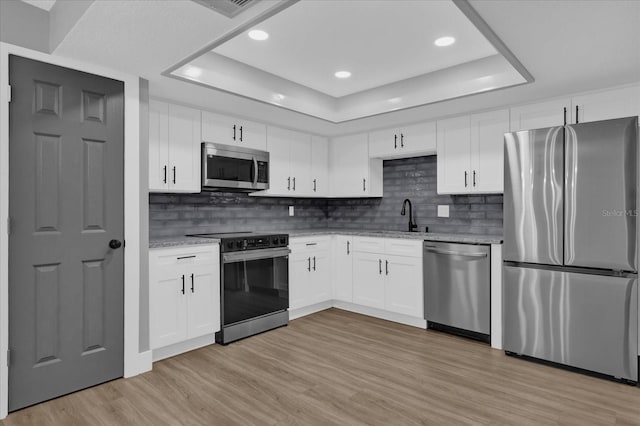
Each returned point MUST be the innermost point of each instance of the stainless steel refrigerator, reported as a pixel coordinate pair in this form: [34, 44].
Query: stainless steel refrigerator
[570, 276]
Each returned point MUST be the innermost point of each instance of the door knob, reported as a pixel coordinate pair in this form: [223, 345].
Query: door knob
[115, 244]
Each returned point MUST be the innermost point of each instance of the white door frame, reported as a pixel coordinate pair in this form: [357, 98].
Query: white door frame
[134, 362]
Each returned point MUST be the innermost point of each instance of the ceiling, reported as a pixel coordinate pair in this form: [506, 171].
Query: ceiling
[378, 42]
[42, 4]
[567, 45]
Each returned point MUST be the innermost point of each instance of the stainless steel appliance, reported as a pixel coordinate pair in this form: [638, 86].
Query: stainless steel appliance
[230, 168]
[457, 288]
[254, 283]
[571, 260]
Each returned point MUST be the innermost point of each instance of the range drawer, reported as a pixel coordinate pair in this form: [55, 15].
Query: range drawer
[186, 255]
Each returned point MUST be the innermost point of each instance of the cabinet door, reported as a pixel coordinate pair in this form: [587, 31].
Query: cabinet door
[616, 103]
[349, 166]
[252, 135]
[368, 280]
[320, 289]
[487, 151]
[384, 143]
[453, 162]
[403, 286]
[540, 115]
[168, 307]
[219, 128]
[278, 145]
[319, 166]
[418, 139]
[158, 146]
[184, 149]
[203, 309]
[299, 280]
[300, 163]
[342, 276]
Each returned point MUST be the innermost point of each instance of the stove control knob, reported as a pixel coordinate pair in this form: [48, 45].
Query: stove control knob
[283, 241]
[239, 244]
[230, 244]
[275, 241]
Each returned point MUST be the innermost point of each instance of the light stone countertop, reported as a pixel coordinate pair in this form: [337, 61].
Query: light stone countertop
[425, 236]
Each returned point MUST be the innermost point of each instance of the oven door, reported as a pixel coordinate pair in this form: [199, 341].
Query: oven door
[236, 168]
[254, 283]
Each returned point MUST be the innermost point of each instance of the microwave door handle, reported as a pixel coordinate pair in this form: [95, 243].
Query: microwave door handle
[255, 171]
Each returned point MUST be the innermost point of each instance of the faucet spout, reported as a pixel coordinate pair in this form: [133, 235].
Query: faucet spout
[412, 225]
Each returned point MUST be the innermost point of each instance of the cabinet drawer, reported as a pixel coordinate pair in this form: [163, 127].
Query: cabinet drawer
[304, 244]
[402, 247]
[190, 255]
[368, 245]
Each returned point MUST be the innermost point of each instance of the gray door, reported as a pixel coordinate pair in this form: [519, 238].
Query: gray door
[577, 319]
[600, 198]
[65, 205]
[533, 194]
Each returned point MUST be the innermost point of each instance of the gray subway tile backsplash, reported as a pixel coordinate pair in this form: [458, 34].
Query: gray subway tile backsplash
[414, 178]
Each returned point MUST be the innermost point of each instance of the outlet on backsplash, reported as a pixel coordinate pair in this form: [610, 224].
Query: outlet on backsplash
[291, 210]
[443, 210]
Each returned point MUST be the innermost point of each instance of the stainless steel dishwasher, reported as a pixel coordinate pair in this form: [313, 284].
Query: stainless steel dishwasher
[457, 288]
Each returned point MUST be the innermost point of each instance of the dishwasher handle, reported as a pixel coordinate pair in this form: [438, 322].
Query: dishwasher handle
[453, 253]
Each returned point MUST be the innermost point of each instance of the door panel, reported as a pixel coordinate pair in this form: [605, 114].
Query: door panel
[533, 193]
[66, 153]
[203, 295]
[368, 281]
[551, 315]
[600, 200]
[454, 151]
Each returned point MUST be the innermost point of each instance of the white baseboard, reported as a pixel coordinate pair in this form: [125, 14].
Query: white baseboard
[307, 310]
[381, 313]
[138, 365]
[181, 347]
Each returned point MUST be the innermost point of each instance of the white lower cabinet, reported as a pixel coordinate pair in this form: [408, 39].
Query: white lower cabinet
[184, 293]
[403, 290]
[309, 271]
[368, 280]
[342, 271]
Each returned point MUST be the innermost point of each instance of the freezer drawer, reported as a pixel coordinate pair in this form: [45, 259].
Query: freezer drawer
[457, 286]
[577, 319]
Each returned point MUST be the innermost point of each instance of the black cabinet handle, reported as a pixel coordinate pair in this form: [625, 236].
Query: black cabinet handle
[474, 178]
[314, 263]
[294, 183]
[314, 185]
[115, 244]
[577, 114]
[364, 185]
[380, 266]
[395, 141]
[192, 282]
[401, 140]
[174, 175]
[309, 264]
[186, 257]
[240, 133]
[465, 179]
[289, 183]
[164, 179]
[565, 115]
[234, 132]
[386, 266]
[183, 284]
[347, 247]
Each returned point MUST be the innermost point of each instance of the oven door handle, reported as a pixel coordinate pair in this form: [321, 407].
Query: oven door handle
[240, 256]
[255, 171]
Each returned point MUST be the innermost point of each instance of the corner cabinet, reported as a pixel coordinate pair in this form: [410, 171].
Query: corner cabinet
[409, 141]
[471, 153]
[352, 172]
[184, 294]
[218, 128]
[174, 148]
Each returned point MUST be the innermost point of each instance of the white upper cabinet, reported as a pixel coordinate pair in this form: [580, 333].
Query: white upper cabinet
[540, 115]
[408, 141]
[218, 128]
[605, 105]
[289, 163]
[319, 166]
[174, 148]
[352, 173]
[471, 153]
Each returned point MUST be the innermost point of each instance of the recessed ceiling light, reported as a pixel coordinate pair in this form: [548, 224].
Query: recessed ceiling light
[342, 74]
[444, 41]
[258, 35]
[193, 72]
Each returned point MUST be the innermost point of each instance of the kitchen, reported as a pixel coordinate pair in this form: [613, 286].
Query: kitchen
[356, 197]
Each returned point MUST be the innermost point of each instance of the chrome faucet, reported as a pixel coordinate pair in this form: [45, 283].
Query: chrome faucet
[412, 226]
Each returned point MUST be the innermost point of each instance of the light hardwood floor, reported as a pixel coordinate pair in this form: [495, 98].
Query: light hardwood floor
[337, 367]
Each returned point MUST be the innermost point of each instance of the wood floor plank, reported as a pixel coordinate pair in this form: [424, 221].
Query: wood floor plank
[340, 368]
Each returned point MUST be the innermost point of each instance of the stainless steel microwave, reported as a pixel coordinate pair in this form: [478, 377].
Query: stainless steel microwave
[230, 168]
